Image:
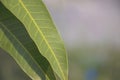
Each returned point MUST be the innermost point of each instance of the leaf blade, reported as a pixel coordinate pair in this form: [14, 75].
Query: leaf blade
[47, 40]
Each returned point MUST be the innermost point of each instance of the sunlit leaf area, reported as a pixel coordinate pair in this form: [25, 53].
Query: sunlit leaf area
[91, 32]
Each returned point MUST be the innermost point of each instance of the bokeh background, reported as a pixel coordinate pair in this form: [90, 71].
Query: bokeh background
[91, 32]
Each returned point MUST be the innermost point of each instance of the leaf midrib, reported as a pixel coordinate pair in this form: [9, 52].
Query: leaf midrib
[42, 36]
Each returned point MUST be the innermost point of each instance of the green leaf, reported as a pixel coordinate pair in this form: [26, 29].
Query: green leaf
[15, 40]
[34, 15]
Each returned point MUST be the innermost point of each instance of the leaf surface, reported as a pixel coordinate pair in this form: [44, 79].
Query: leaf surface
[34, 15]
[15, 40]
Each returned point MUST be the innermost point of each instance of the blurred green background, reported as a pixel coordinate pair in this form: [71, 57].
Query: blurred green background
[91, 32]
